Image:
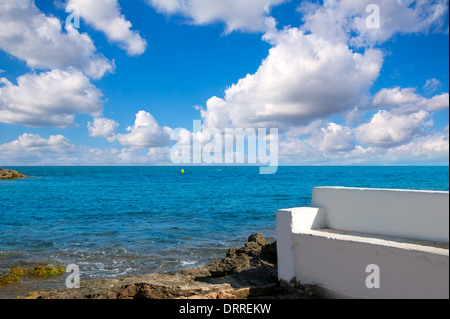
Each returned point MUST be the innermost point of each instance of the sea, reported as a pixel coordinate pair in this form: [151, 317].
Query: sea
[117, 221]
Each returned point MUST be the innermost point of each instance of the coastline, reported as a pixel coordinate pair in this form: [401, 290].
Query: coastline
[8, 174]
[249, 272]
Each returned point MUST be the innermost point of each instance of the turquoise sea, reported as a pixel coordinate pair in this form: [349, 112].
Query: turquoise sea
[115, 221]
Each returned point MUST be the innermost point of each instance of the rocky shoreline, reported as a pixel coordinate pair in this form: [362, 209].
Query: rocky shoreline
[249, 272]
[10, 174]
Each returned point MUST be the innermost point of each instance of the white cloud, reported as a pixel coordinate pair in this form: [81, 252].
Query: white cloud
[438, 103]
[432, 85]
[216, 113]
[407, 100]
[102, 127]
[345, 20]
[389, 130]
[48, 99]
[432, 149]
[146, 133]
[159, 155]
[297, 149]
[314, 128]
[303, 79]
[31, 149]
[321, 143]
[92, 157]
[105, 16]
[55, 144]
[337, 138]
[246, 15]
[311, 73]
[38, 39]
[154, 156]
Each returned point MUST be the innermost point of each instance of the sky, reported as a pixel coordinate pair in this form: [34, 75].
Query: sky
[108, 82]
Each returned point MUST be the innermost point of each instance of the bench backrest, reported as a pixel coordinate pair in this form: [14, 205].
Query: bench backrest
[421, 215]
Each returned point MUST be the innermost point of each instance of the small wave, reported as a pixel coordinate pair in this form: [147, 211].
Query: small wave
[186, 263]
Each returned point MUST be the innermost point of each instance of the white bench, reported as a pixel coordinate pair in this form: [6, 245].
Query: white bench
[367, 243]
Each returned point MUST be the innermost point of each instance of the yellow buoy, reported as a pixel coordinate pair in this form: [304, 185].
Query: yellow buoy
[182, 171]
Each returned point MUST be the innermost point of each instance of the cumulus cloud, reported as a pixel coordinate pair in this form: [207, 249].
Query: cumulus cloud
[55, 144]
[48, 99]
[32, 149]
[423, 149]
[407, 100]
[346, 20]
[310, 74]
[112, 157]
[312, 128]
[314, 73]
[92, 156]
[430, 148]
[145, 133]
[303, 79]
[40, 41]
[388, 130]
[248, 15]
[102, 127]
[105, 16]
[337, 138]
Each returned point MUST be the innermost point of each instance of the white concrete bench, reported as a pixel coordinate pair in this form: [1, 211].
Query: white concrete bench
[368, 243]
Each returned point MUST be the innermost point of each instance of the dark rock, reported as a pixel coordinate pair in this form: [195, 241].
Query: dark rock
[259, 239]
[228, 265]
[269, 252]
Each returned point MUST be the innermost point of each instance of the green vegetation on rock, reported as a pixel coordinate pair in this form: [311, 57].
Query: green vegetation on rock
[15, 275]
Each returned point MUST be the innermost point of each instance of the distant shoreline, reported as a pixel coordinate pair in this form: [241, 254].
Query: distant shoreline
[9, 174]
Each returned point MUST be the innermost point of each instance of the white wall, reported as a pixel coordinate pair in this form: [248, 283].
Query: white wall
[338, 266]
[330, 245]
[290, 222]
[402, 213]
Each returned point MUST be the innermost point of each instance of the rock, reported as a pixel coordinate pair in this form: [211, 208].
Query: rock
[245, 273]
[15, 275]
[10, 174]
[269, 252]
[228, 265]
[259, 239]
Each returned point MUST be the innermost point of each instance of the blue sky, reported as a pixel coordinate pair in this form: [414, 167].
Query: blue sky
[112, 91]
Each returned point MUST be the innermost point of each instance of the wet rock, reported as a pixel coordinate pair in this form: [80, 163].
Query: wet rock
[245, 273]
[15, 275]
